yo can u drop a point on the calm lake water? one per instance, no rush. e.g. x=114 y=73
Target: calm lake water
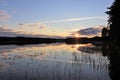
x=53 y=62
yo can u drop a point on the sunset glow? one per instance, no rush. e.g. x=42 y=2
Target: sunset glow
x=50 y=17
x=59 y=39
x=77 y=35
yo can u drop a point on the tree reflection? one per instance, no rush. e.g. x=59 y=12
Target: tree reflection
x=114 y=66
x=113 y=54
x=90 y=48
x=104 y=49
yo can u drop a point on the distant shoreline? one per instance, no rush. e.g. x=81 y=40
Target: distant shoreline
x=30 y=40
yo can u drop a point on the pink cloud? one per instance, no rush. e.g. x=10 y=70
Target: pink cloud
x=40 y=26
x=4 y=15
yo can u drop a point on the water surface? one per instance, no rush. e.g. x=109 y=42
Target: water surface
x=53 y=62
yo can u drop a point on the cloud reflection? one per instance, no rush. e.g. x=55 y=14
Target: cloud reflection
x=52 y=61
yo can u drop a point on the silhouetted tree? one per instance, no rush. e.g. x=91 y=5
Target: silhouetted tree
x=114 y=21
x=104 y=32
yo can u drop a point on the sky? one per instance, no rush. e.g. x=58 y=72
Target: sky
x=59 y=18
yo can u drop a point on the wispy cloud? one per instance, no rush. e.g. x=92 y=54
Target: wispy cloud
x=32 y=26
x=4 y=15
x=77 y=19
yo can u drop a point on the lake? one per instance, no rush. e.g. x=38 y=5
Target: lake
x=58 y=61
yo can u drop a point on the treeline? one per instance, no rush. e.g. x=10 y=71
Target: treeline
x=27 y=40
x=30 y=40
x=86 y=40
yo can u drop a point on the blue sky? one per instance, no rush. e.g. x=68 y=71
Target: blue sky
x=55 y=17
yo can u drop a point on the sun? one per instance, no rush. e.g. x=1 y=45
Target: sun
x=76 y=35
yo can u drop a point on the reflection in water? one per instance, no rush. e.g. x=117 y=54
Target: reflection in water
x=114 y=66
x=53 y=62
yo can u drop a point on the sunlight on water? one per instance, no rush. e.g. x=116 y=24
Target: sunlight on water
x=53 y=62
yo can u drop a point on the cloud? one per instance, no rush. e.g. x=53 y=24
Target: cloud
x=88 y=32
x=4 y=15
x=6 y=32
x=38 y=26
x=43 y=26
x=77 y=19
x=4 y=28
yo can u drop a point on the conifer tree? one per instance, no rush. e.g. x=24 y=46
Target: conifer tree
x=114 y=21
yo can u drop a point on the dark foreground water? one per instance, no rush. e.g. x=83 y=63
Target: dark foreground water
x=53 y=62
